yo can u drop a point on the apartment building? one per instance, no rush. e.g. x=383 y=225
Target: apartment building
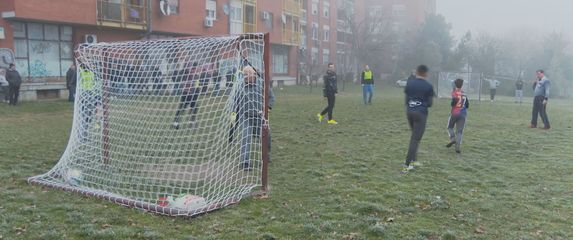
x=43 y=34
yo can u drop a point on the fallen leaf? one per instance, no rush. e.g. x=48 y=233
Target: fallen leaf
x=351 y=236
x=264 y=196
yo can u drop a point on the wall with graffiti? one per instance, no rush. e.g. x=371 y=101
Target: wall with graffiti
x=42 y=50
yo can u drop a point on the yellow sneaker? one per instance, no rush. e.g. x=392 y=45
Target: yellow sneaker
x=406 y=169
x=331 y=121
x=319 y=117
x=233 y=117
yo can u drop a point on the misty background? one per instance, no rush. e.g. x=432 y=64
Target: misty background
x=499 y=16
x=501 y=39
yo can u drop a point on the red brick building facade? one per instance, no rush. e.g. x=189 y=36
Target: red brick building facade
x=43 y=34
x=318 y=37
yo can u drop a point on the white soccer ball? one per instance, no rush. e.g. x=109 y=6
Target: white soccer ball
x=186 y=202
x=73 y=177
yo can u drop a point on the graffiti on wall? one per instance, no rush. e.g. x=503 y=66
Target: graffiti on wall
x=44 y=58
x=6 y=57
x=38 y=69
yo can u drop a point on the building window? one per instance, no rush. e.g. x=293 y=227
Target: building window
x=314 y=55
x=42 y=50
x=236 y=14
x=326 y=33
x=376 y=11
x=303 y=37
x=279 y=59
x=326 y=9
x=340 y=37
x=314 y=7
x=396 y=27
x=268 y=19
x=314 y=31
x=325 y=56
x=398 y=10
x=132 y=11
x=211 y=9
x=249 y=16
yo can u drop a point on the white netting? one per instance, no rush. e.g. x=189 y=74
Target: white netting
x=171 y=126
x=471 y=86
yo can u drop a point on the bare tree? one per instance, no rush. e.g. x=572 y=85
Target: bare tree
x=485 y=54
x=368 y=39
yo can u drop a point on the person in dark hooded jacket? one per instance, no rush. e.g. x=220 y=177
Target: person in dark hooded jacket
x=14 y=81
x=330 y=90
x=71 y=81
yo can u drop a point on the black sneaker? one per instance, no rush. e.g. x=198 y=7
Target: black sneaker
x=246 y=166
x=449 y=145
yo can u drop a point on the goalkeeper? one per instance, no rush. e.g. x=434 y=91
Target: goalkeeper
x=249 y=112
x=90 y=98
x=190 y=90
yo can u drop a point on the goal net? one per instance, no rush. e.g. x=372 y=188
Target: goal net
x=472 y=84
x=173 y=126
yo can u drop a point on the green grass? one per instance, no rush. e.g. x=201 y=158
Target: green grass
x=327 y=182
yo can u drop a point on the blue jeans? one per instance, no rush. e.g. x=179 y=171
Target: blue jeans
x=367 y=93
x=217 y=88
x=250 y=128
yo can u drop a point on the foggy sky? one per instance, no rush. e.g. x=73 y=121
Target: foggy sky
x=500 y=16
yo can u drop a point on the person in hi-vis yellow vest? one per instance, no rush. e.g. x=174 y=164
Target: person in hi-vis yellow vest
x=90 y=99
x=367 y=81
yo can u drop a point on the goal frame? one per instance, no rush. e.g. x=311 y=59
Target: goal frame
x=164 y=210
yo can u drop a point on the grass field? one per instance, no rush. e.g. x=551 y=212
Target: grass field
x=328 y=182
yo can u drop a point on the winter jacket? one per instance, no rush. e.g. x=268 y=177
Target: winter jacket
x=13 y=78
x=330 y=86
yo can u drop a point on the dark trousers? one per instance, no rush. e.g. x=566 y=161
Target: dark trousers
x=459 y=121
x=189 y=100
x=328 y=110
x=539 y=109
x=72 y=94
x=492 y=93
x=89 y=103
x=13 y=94
x=417 y=121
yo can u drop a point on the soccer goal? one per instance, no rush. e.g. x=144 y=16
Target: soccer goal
x=472 y=84
x=167 y=125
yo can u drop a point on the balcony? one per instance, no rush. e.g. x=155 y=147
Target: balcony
x=122 y=14
x=292 y=7
x=249 y=28
x=291 y=37
x=249 y=16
